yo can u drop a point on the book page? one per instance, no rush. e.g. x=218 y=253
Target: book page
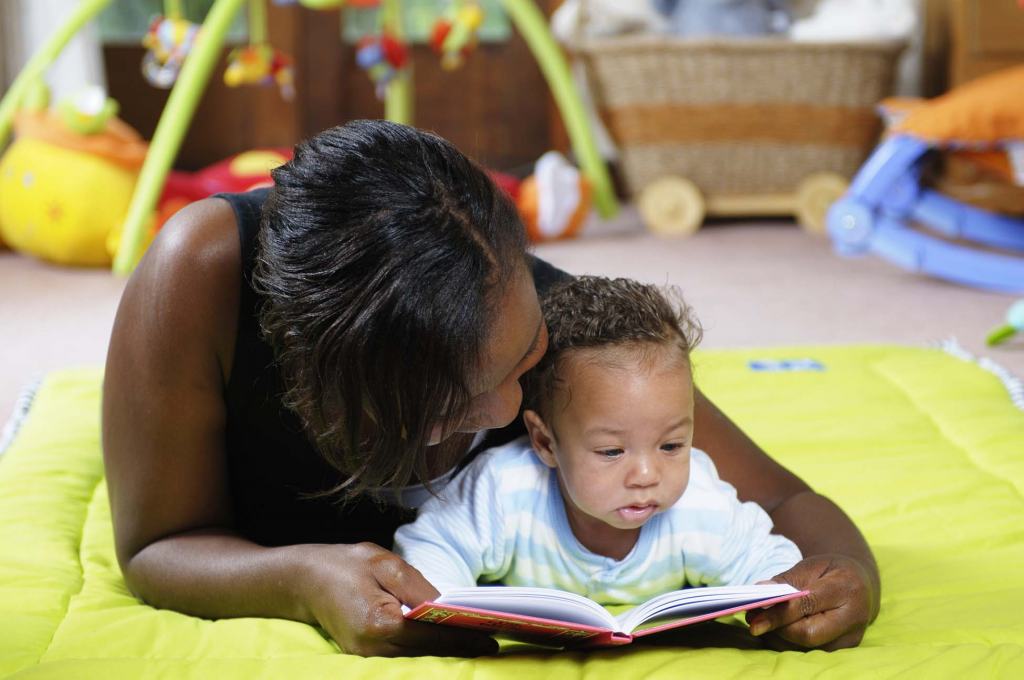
x=692 y=602
x=543 y=603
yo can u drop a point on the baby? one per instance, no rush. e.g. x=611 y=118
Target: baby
x=605 y=497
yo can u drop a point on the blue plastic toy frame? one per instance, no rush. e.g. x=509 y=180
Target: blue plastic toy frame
x=886 y=196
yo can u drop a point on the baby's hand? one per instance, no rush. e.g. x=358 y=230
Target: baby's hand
x=834 y=615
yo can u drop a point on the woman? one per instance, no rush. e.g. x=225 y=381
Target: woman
x=285 y=370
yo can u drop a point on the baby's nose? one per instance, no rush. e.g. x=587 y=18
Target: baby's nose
x=643 y=473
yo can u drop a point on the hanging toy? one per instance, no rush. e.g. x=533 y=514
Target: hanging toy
x=261 y=65
x=382 y=57
x=259 y=62
x=329 y=4
x=167 y=42
x=454 y=35
x=332 y=4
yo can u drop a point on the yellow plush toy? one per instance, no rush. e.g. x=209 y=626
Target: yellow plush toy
x=66 y=181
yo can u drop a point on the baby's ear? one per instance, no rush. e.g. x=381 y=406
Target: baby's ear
x=540 y=438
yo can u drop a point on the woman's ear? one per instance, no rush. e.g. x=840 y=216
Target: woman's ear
x=541 y=439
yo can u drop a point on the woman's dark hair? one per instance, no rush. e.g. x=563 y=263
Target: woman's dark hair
x=594 y=311
x=382 y=254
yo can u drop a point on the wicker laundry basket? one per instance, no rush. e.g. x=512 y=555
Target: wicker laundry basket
x=742 y=124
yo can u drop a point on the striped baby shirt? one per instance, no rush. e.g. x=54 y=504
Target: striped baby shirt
x=502 y=519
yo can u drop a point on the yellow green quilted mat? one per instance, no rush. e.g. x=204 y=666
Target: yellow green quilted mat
x=923 y=449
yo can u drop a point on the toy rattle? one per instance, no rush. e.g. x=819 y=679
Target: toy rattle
x=260 y=63
x=383 y=57
x=1014 y=324
x=167 y=42
x=454 y=35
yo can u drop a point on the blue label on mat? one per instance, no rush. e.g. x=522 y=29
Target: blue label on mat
x=780 y=365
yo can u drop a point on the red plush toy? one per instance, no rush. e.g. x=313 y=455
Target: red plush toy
x=241 y=172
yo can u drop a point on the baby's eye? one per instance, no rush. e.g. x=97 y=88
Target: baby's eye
x=610 y=453
x=673 y=447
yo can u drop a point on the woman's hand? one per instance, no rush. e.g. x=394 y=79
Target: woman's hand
x=356 y=593
x=841 y=574
x=843 y=600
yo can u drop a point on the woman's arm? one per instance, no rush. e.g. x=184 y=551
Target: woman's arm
x=838 y=567
x=163 y=439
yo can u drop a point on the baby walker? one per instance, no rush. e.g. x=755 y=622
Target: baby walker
x=978 y=126
x=886 y=196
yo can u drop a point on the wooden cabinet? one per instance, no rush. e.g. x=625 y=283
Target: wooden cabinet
x=985 y=36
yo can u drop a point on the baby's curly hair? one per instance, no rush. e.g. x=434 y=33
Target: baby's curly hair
x=595 y=311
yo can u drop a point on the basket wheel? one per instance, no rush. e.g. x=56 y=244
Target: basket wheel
x=671 y=206
x=814 y=195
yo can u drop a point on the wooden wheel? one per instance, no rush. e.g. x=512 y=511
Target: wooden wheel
x=671 y=206
x=814 y=196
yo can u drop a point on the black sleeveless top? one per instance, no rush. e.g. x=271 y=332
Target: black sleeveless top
x=272 y=466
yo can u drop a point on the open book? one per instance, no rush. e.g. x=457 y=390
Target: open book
x=566 y=619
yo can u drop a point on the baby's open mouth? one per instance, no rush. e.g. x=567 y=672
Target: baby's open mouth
x=636 y=513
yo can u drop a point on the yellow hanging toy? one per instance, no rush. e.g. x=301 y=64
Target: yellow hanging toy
x=259 y=63
x=454 y=35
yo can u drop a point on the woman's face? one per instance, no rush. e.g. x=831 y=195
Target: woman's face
x=517 y=343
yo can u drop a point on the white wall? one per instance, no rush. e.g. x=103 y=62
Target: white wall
x=26 y=24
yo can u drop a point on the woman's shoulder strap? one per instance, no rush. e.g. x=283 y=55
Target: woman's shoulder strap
x=248 y=208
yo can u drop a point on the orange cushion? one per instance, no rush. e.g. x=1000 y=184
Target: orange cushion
x=983 y=112
x=118 y=143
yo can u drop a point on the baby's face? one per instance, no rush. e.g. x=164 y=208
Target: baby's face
x=623 y=426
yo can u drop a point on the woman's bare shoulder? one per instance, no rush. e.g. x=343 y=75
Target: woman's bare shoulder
x=185 y=291
x=202 y=237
